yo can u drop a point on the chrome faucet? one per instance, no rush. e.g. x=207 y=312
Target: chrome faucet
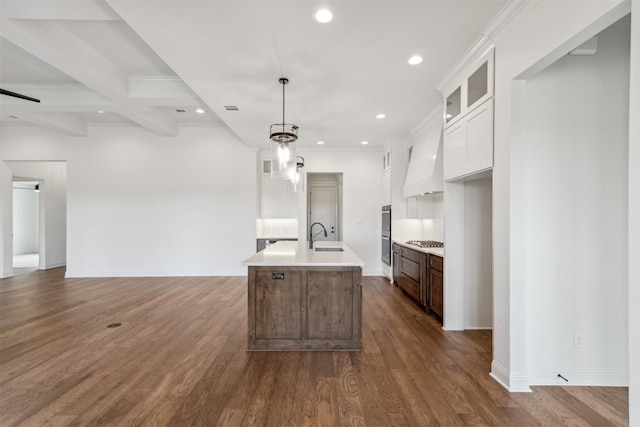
x=311 y=235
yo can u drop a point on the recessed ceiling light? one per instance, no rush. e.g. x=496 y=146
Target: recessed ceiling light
x=100 y=111
x=415 y=60
x=200 y=111
x=323 y=16
x=320 y=142
x=364 y=142
x=381 y=116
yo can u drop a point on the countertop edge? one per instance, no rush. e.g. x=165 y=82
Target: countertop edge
x=297 y=254
x=432 y=251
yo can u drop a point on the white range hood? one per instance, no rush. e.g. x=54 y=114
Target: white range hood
x=424 y=174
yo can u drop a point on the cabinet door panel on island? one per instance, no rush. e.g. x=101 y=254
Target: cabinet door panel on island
x=329 y=305
x=278 y=293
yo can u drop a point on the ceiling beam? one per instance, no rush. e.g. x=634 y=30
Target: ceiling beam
x=59 y=10
x=50 y=42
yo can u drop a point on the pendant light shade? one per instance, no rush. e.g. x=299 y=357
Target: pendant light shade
x=296 y=176
x=283 y=138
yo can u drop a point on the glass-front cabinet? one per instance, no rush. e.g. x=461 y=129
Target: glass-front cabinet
x=478 y=84
x=453 y=104
x=474 y=89
x=468 y=121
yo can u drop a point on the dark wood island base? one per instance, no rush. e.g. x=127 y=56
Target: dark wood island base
x=305 y=308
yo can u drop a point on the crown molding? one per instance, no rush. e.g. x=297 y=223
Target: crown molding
x=492 y=33
x=435 y=113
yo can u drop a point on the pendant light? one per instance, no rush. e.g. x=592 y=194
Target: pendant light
x=283 y=144
x=296 y=177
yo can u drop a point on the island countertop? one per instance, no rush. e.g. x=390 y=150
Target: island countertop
x=297 y=253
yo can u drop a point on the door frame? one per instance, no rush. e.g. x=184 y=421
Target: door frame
x=42 y=212
x=325 y=179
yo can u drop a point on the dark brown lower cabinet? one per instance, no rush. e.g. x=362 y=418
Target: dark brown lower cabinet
x=413 y=278
x=421 y=277
x=436 y=285
x=396 y=249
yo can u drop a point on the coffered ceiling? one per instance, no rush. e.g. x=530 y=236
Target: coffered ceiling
x=152 y=63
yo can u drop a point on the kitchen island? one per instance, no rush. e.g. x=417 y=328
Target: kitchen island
x=304 y=299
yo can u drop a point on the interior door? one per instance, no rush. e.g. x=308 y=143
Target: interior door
x=323 y=208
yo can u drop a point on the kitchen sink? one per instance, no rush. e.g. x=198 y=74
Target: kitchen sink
x=330 y=249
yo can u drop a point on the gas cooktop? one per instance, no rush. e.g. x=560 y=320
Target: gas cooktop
x=426 y=243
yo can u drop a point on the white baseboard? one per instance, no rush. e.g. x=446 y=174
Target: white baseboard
x=55 y=265
x=595 y=378
x=518 y=383
x=80 y=274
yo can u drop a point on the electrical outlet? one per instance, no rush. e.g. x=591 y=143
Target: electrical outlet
x=578 y=340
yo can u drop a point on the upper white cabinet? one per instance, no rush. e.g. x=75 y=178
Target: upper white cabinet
x=468 y=133
x=468 y=143
x=386 y=160
x=454 y=105
x=386 y=177
x=386 y=187
x=277 y=198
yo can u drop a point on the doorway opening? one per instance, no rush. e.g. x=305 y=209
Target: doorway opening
x=324 y=205
x=27 y=225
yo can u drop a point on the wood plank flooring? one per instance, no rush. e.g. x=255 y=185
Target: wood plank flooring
x=179 y=359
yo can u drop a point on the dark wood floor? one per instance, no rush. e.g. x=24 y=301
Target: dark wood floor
x=179 y=359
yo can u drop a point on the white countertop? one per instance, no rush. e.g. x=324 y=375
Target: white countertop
x=273 y=237
x=296 y=253
x=433 y=251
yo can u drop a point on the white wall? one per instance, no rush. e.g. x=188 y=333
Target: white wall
x=26 y=220
x=572 y=196
x=634 y=220
x=547 y=31
x=478 y=259
x=52 y=207
x=361 y=201
x=143 y=205
x=433 y=227
x=6 y=219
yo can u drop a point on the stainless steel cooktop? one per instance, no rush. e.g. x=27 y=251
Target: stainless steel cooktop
x=426 y=243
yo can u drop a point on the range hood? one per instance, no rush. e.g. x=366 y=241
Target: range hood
x=424 y=174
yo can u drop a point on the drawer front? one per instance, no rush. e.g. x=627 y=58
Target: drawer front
x=435 y=262
x=413 y=255
x=410 y=286
x=411 y=268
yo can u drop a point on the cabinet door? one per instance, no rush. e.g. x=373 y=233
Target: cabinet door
x=410 y=286
x=278 y=296
x=436 y=292
x=455 y=150
x=479 y=134
x=329 y=305
x=386 y=188
x=468 y=144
